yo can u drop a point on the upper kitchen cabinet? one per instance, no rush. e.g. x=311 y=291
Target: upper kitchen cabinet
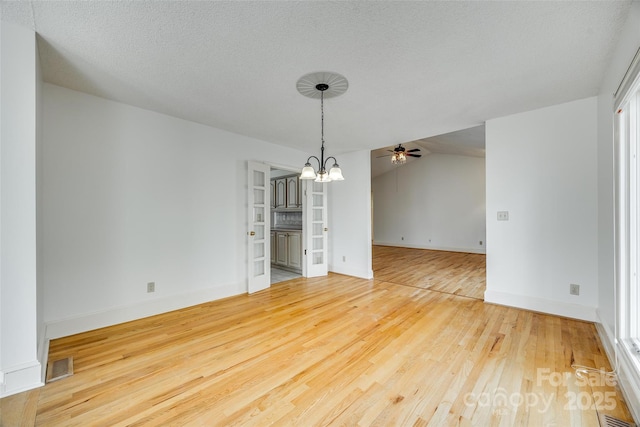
x=281 y=193
x=285 y=193
x=273 y=194
x=293 y=192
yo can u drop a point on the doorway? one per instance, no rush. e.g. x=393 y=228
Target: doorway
x=287 y=224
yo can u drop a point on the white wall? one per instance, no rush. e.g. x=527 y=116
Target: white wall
x=437 y=202
x=542 y=169
x=19 y=365
x=620 y=60
x=131 y=196
x=350 y=217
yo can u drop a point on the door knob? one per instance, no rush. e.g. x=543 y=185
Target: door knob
x=326 y=229
x=252 y=233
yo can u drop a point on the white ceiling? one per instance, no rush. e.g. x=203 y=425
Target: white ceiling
x=415 y=69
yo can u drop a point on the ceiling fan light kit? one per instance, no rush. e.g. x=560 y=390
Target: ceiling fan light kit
x=400 y=154
x=322 y=85
x=398 y=158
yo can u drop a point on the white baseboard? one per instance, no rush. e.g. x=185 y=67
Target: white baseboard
x=628 y=378
x=90 y=321
x=574 y=311
x=433 y=248
x=17 y=379
x=362 y=274
x=607 y=336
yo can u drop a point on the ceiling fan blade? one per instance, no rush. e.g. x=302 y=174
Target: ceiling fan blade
x=415 y=155
x=413 y=150
x=386 y=155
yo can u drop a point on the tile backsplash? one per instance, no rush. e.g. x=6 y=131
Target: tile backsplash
x=287 y=220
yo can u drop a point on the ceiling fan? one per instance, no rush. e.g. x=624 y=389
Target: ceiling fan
x=400 y=154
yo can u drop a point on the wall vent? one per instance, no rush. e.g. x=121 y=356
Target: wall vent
x=609 y=421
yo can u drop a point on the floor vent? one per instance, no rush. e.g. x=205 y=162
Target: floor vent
x=609 y=421
x=59 y=369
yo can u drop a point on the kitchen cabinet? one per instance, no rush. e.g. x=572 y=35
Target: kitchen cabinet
x=282 y=249
x=285 y=193
x=273 y=193
x=281 y=193
x=294 y=251
x=273 y=247
x=293 y=192
x=287 y=246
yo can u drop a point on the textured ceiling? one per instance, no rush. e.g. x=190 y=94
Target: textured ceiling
x=415 y=69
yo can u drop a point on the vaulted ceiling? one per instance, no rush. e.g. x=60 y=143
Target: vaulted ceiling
x=465 y=142
x=415 y=69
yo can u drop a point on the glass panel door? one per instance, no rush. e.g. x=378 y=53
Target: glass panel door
x=258 y=241
x=316 y=229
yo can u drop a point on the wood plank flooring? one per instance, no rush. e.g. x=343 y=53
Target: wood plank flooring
x=326 y=351
x=455 y=273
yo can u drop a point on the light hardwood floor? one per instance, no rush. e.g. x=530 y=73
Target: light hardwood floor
x=335 y=350
x=455 y=273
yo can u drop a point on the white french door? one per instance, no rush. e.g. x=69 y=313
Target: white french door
x=259 y=216
x=316 y=229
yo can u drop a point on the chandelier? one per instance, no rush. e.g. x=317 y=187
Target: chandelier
x=322 y=85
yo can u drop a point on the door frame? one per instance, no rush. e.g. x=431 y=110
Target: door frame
x=296 y=170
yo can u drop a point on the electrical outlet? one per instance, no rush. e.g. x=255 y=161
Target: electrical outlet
x=503 y=216
x=344 y=258
x=151 y=287
x=402 y=238
x=574 y=289
x=480 y=242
